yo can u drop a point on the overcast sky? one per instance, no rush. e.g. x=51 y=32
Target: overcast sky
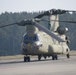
x=35 y=5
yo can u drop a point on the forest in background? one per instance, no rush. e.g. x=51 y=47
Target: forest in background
x=11 y=36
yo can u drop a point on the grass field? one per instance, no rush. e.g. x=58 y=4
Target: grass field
x=11 y=57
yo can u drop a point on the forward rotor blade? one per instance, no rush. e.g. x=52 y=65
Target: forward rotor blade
x=25 y=22
x=48 y=32
x=20 y=23
x=33 y=22
x=7 y=25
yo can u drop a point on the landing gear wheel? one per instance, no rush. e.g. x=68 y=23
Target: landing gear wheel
x=39 y=57
x=54 y=57
x=45 y=57
x=68 y=56
x=26 y=59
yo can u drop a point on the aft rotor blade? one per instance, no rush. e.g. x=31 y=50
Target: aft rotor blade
x=48 y=32
x=59 y=21
x=68 y=21
x=70 y=11
x=51 y=12
x=43 y=14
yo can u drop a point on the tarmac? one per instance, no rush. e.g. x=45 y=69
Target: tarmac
x=62 y=66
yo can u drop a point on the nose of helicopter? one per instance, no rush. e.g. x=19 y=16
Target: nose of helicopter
x=33 y=46
x=37 y=45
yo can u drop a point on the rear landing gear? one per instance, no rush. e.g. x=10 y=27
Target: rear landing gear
x=54 y=57
x=26 y=59
x=68 y=56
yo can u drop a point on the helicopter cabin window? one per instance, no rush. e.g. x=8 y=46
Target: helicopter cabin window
x=30 y=39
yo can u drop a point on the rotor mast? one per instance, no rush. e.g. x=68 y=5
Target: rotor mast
x=54 y=24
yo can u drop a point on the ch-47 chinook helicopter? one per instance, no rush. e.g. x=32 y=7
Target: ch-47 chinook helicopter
x=44 y=42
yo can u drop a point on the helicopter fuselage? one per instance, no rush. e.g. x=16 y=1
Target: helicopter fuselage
x=42 y=44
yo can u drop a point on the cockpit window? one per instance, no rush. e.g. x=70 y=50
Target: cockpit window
x=30 y=39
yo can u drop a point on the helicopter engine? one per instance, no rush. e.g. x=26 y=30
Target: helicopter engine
x=62 y=30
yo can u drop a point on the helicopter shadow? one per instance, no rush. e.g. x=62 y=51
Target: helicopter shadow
x=14 y=62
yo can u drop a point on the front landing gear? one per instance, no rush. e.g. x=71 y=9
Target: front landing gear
x=26 y=58
x=39 y=57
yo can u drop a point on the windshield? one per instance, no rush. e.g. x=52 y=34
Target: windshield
x=30 y=39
